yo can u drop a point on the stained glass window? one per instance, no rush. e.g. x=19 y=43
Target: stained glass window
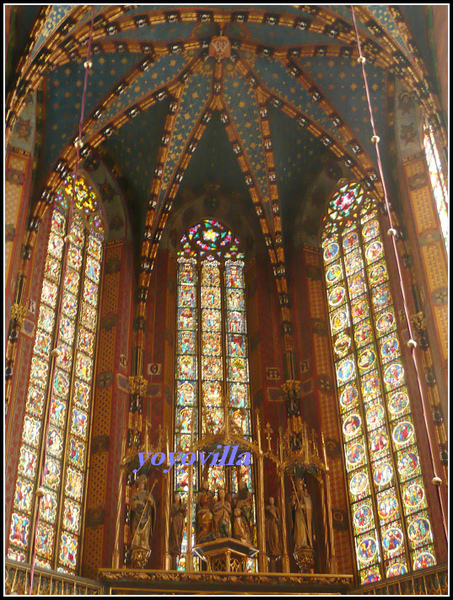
x=61 y=406
x=212 y=377
x=391 y=526
x=437 y=180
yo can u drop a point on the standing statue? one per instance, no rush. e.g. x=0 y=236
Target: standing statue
x=308 y=514
x=302 y=533
x=222 y=515
x=204 y=531
x=143 y=509
x=272 y=528
x=178 y=511
x=240 y=529
x=244 y=502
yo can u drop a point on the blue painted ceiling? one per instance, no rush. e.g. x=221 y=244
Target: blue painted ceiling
x=297 y=61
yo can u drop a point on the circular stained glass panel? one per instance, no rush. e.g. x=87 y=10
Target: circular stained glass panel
x=353 y=262
x=398 y=402
x=356 y=285
x=419 y=530
x=342 y=345
x=374 y=416
x=385 y=322
x=413 y=495
x=374 y=251
x=378 y=443
x=345 y=370
x=331 y=252
x=366 y=550
x=359 y=310
x=363 y=334
x=366 y=359
x=378 y=274
x=358 y=483
x=403 y=433
x=371 y=578
x=392 y=540
x=343 y=202
x=337 y=296
x=352 y=425
x=351 y=240
x=355 y=455
x=394 y=375
x=363 y=516
x=381 y=297
x=408 y=464
x=396 y=569
x=370 y=386
x=370 y=230
x=348 y=397
x=424 y=560
x=339 y=320
x=383 y=474
x=333 y=274
x=387 y=506
x=390 y=348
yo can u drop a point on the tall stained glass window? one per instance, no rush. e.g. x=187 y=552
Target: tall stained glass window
x=212 y=375
x=437 y=180
x=64 y=401
x=388 y=504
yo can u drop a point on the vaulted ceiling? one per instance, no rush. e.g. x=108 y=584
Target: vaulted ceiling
x=285 y=99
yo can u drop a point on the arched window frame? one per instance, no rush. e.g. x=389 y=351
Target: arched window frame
x=59 y=392
x=374 y=403
x=211 y=339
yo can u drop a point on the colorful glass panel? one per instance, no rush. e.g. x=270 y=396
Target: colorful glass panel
x=362 y=516
x=387 y=506
x=23 y=495
x=211 y=353
x=334 y=274
x=408 y=463
x=60 y=303
x=378 y=434
x=20 y=529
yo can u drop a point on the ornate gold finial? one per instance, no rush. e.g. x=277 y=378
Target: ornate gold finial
x=18 y=313
x=138 y=385
x=269 y=433
x=419 y=322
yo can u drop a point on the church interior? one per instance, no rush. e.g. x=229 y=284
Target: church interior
x=226 y=299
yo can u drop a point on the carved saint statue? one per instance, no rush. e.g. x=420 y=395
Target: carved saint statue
x=143 y=509
x=240 y=529
x=178 y=511
x=205 y=531
x=222 y=515
x=273 y=544
x=244 y=502
x=302 y=517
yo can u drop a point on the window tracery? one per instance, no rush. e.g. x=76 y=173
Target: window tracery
x=388 y=504
x=212 y=378
x=66 y=388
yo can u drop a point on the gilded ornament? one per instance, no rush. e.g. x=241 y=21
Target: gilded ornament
x=18 y=313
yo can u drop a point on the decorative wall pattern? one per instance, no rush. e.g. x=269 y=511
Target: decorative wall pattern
x=108 y=415
x=432 y=249
x=327 y=403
